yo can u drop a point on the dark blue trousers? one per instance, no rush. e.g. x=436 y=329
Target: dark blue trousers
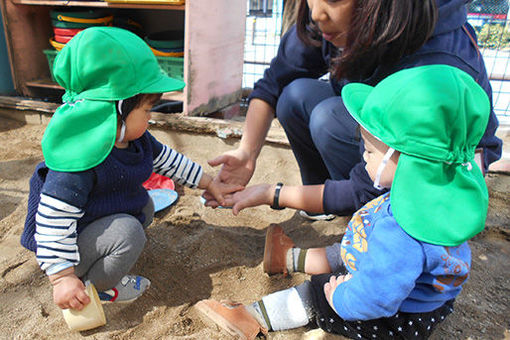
x=324 y=137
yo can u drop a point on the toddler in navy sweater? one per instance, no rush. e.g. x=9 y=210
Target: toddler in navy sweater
x=87 y=206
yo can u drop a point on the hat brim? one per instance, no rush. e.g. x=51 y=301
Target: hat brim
x=164 y=84
x=444 y=204
x=354 y=96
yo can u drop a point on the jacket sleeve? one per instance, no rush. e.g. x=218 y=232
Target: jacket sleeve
x=343 y=197
x=294 y=60
x=386 y=275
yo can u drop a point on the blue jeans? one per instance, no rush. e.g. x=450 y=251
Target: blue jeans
x=324 y=137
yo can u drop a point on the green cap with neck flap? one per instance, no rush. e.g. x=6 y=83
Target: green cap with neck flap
x=99 y=66
x=435 y=117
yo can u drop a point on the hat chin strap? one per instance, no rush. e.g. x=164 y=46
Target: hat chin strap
x=123 y=127
x=122 y=133
x=381 y=167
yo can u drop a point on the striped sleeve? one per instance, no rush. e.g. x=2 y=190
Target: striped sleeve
x=55 y=234
x=178 y=167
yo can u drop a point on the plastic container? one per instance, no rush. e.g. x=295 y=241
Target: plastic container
x=80 y=19
x=63 y=39
x=173 y=66
x=79 y=13
x=50 y=55
x=91 y=316
x=166 y=39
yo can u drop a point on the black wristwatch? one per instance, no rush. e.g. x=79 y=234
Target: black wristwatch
x=276 y=199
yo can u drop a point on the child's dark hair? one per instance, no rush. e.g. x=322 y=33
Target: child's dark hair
x=129 y=104
x=381 y=33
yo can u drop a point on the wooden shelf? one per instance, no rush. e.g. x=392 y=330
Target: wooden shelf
x=47 y=83
x=44 y=83
x=213 y=45
x=101 y=4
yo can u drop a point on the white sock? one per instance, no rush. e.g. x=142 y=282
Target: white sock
x=294 y=255
x=285 y=310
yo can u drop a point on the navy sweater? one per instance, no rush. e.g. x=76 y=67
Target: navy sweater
x=114 y=186
x=450 y=45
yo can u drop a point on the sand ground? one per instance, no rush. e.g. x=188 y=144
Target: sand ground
x=195 y=253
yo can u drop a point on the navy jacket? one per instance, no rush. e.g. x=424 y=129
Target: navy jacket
x=451 y=44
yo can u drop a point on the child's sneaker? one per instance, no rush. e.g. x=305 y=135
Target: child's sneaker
x=130 y=288
x=232 y=317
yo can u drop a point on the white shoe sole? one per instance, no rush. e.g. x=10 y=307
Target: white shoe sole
x=321 y=217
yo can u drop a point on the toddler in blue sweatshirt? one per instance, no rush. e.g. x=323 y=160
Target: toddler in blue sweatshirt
x=404 y=256
x=87 y=208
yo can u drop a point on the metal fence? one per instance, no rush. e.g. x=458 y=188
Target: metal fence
x=490 y=18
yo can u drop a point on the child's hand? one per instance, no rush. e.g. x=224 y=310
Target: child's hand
x=69 y=292
x=217 y=190
x=250 y=197
x=329 y=287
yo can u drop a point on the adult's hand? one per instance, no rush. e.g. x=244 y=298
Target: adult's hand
x=236 y=168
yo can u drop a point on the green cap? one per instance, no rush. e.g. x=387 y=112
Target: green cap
x=435 y=116
x=99 y=66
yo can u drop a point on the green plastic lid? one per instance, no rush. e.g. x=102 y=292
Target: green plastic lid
x=79 y=13
x=66 y=24
x=166 y=39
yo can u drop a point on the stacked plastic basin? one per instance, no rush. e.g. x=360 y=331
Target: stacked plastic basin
x=167 y=46
x=66 y=24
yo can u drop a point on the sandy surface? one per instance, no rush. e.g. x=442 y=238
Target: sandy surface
x=195 y=253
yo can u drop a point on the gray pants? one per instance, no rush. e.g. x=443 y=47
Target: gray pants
x=334 y=259
x=110 y=246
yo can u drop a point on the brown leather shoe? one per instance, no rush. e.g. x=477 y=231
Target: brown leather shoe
x=230 y=316
x=275 y=250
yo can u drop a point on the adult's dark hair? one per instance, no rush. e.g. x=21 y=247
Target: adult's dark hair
x=381 y=33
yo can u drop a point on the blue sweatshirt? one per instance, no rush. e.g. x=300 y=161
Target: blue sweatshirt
x=391 y=271
x=450 y=45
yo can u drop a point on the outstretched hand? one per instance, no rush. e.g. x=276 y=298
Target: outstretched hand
x=217 y=190
x=329 y=287
x=250 y=197
x=236 y=167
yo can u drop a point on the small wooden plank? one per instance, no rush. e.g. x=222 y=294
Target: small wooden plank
x=44 y=83
x=176 y=95
x=23 y=104
x=222 y=128
x=178 y=122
